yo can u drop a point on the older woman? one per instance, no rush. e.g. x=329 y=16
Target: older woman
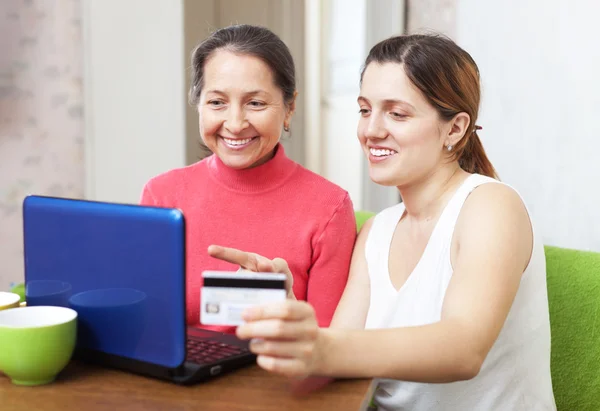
x=249 y=194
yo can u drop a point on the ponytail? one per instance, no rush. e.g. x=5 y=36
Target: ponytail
x=472 y=157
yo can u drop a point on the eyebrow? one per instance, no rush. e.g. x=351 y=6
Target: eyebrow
x=389 y=102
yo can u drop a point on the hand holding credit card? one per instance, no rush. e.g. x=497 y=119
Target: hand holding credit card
x=260 y=281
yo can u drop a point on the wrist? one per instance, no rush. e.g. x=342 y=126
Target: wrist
x=327 y=342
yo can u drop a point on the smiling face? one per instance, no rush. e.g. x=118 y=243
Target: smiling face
x=400 y=131
x=241 y=110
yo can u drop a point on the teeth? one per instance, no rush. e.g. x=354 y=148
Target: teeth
x=381 y=152
x=237 y=142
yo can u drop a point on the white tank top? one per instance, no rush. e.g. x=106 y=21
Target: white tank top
x=515 y=375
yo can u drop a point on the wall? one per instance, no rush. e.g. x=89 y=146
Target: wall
x=540 y=94
x=137 y=53
x=134 y=94
x=352 y=27
x=346 y=44
x=539 y=61
x=432 y=15
x=41 y=125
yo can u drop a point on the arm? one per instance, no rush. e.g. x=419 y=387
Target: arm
x=331 y=262
x=493 y=245
x=353 y=307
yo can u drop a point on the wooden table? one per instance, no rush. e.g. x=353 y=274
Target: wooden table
x=90 y=388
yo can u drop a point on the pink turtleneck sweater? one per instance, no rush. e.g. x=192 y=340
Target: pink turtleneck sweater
x=278 y=209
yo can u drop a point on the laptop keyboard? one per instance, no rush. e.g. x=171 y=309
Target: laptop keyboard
x=209 y=351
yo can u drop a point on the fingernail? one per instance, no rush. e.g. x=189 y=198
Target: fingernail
x=265 y=362
x=239 y=332
x=257 y=342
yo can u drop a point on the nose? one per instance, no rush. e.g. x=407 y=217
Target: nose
x=375 y=128
x=236 y=121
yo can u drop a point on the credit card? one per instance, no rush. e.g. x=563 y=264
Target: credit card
x=226 y=294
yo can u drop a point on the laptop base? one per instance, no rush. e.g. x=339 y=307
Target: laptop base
x=188 y=373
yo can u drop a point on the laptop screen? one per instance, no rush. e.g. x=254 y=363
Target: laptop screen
x=121 y=267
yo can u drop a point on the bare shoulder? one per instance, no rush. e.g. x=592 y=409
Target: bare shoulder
x=494 y=218
x=366 y=227
x=493 y=201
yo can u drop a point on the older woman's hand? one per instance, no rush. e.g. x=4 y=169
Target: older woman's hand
x=255 y=262
x=285 y=336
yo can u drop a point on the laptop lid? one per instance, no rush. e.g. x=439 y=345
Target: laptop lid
x=121 y=267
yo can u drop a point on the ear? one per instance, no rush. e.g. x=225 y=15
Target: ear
x=458 y=128
x=291 y=108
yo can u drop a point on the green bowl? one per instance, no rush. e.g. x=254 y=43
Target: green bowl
x=36 y=343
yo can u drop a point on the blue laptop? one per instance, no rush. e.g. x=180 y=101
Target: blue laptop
x=122 y=268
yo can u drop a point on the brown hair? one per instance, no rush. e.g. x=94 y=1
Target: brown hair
x=449 y=78
x=248 y=40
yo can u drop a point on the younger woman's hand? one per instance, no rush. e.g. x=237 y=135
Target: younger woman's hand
x=285 y=336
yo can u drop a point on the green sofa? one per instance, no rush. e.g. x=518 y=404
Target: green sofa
x=573 y=280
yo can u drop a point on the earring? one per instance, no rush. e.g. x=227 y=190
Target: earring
x=449 y=147
x=286 y=128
